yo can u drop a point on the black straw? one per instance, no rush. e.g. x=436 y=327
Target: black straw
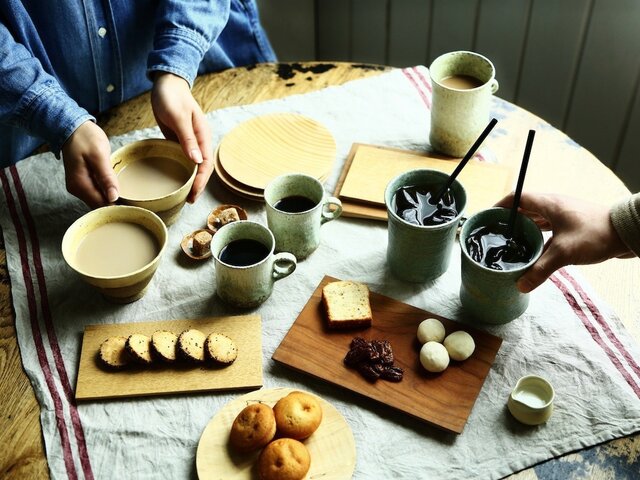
x=464 y=161
x=523 y=172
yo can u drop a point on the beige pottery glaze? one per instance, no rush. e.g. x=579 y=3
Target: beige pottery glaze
x=531 y=400
x=167 y=207
x=123 y=288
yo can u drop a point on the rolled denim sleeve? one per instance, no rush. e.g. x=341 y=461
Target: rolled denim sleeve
x=32 y=99
x=185 y=30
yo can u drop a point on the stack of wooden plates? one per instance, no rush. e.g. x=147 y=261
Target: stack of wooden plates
x=260 y=149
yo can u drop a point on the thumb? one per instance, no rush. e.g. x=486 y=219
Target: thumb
x=104 y=177
x=188 y=140
x=550 y=261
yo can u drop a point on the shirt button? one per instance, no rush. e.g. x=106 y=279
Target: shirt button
x=102 y=31
x=110 y=88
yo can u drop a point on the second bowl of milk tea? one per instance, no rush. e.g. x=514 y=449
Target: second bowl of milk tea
x=116 y=249
x=154 y=174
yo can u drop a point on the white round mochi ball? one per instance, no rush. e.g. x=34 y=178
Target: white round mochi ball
x=430 y=330
x=434 y=357
x=460 y=345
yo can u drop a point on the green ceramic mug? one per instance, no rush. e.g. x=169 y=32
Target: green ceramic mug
x=246 y=265
x=297 y=206
x=420 y=253
x=490 y=295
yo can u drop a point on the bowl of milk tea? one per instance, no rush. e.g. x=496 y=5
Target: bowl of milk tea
x=154 y=174
x=116 y=249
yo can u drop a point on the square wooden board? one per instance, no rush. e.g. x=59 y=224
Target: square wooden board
x=369 y=168
x=444 y=400
x=95 y=382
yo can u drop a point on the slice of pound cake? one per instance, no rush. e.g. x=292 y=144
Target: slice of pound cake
x=347 y=304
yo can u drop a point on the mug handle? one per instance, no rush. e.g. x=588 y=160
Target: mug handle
x=494 y=85
x=284 y=264
x=329 y=214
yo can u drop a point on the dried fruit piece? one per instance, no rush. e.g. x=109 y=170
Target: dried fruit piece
x=373 y=359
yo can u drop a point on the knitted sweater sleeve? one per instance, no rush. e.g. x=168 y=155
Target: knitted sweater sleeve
x=625 y=217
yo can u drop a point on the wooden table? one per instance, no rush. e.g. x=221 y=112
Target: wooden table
x=559 y=168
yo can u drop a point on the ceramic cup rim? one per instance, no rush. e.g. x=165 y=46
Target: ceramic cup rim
x=170 y=144
x=469 y=53
x=280 y=178
x=388 y=195
x=240 y=224
x=540 y=380
x=70 y=232
x=539 y=243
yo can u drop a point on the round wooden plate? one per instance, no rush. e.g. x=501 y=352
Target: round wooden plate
x=236 y=187
x=332 y=447
x=264 y=147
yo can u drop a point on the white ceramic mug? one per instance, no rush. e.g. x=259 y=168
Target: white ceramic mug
x=298 y=231
x=459 y=115
x=247 y=286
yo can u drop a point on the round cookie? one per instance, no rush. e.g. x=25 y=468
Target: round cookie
x=139 y=348
x=253 y=428
x=434 y=357
x=113 y=353
x=163 y=344
x=298 y=415
x=191 y=345
x=460 y=345
x=221 y=349
x=430 y=330
x=284 y=459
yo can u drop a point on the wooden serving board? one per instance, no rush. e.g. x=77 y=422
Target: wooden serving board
x=369 y=168
x=331 y=447
x=95 y=382
x=444 y=400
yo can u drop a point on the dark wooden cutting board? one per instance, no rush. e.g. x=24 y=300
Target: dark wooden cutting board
x=444 y=400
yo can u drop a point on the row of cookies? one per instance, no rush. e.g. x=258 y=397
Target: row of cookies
x=164 y=346
x=279 y=432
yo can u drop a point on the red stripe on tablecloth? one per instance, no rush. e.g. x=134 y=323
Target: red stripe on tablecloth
x=573 y=303
x=407 y=73
x=422 y=78
x=51 y=333
x=597 y=315
x=35 y=330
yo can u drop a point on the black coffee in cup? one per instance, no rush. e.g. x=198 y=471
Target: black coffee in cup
x=414 y=205
x=295 y=204
x=490 y=246
x=243 y=252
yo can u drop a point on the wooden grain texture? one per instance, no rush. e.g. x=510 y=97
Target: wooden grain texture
x=97 y=383
x=264 y=147
x=444 y=400
x=373 y=167
x=332 y=447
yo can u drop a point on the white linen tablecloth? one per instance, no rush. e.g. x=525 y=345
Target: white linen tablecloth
x=567 y=335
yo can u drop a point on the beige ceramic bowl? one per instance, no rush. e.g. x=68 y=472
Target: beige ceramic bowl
x=122 y=288
x=167 y=206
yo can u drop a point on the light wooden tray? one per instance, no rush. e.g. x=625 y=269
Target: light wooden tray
x=369 y=168
x=265 y=147
x=444 y=400
x=95 y=382
x=331 y=447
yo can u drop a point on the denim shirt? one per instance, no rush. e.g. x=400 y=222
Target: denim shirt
x=64 y=61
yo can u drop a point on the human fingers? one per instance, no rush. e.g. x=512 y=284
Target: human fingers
x=88 y=172
x=203 y=135
x=552 y=258
x=533 y=210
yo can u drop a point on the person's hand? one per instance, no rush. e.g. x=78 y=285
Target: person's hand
x=582 y=234
x=180 y=119
x=88 y=171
